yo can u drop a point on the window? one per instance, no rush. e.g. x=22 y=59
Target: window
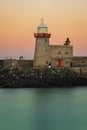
x=59 y=52
x=83 y=61
x=66 y=53
x=45 y=40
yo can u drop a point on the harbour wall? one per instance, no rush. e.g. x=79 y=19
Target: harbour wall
x=22 y=64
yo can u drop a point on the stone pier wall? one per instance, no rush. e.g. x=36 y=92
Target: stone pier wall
x=81 y=70
x=13 y=63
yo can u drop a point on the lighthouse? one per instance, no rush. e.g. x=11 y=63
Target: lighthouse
x=42 y=50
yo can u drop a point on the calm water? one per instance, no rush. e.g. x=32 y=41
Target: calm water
x=43 y=109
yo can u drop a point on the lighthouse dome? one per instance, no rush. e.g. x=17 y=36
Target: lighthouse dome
x=42 y=28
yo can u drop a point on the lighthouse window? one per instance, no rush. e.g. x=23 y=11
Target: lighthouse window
x=45 y=40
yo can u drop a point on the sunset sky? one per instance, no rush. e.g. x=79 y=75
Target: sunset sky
x=20 y=18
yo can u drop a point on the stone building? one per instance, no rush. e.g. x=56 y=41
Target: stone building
x=46 y=54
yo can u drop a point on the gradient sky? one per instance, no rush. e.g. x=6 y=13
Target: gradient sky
x=20 y=18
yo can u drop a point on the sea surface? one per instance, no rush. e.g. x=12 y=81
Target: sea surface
x=43 y=109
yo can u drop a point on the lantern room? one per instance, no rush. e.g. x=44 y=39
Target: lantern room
x=42 y=31
x=42 y=28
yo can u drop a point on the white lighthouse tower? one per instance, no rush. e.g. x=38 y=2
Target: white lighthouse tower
x=42 y=51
